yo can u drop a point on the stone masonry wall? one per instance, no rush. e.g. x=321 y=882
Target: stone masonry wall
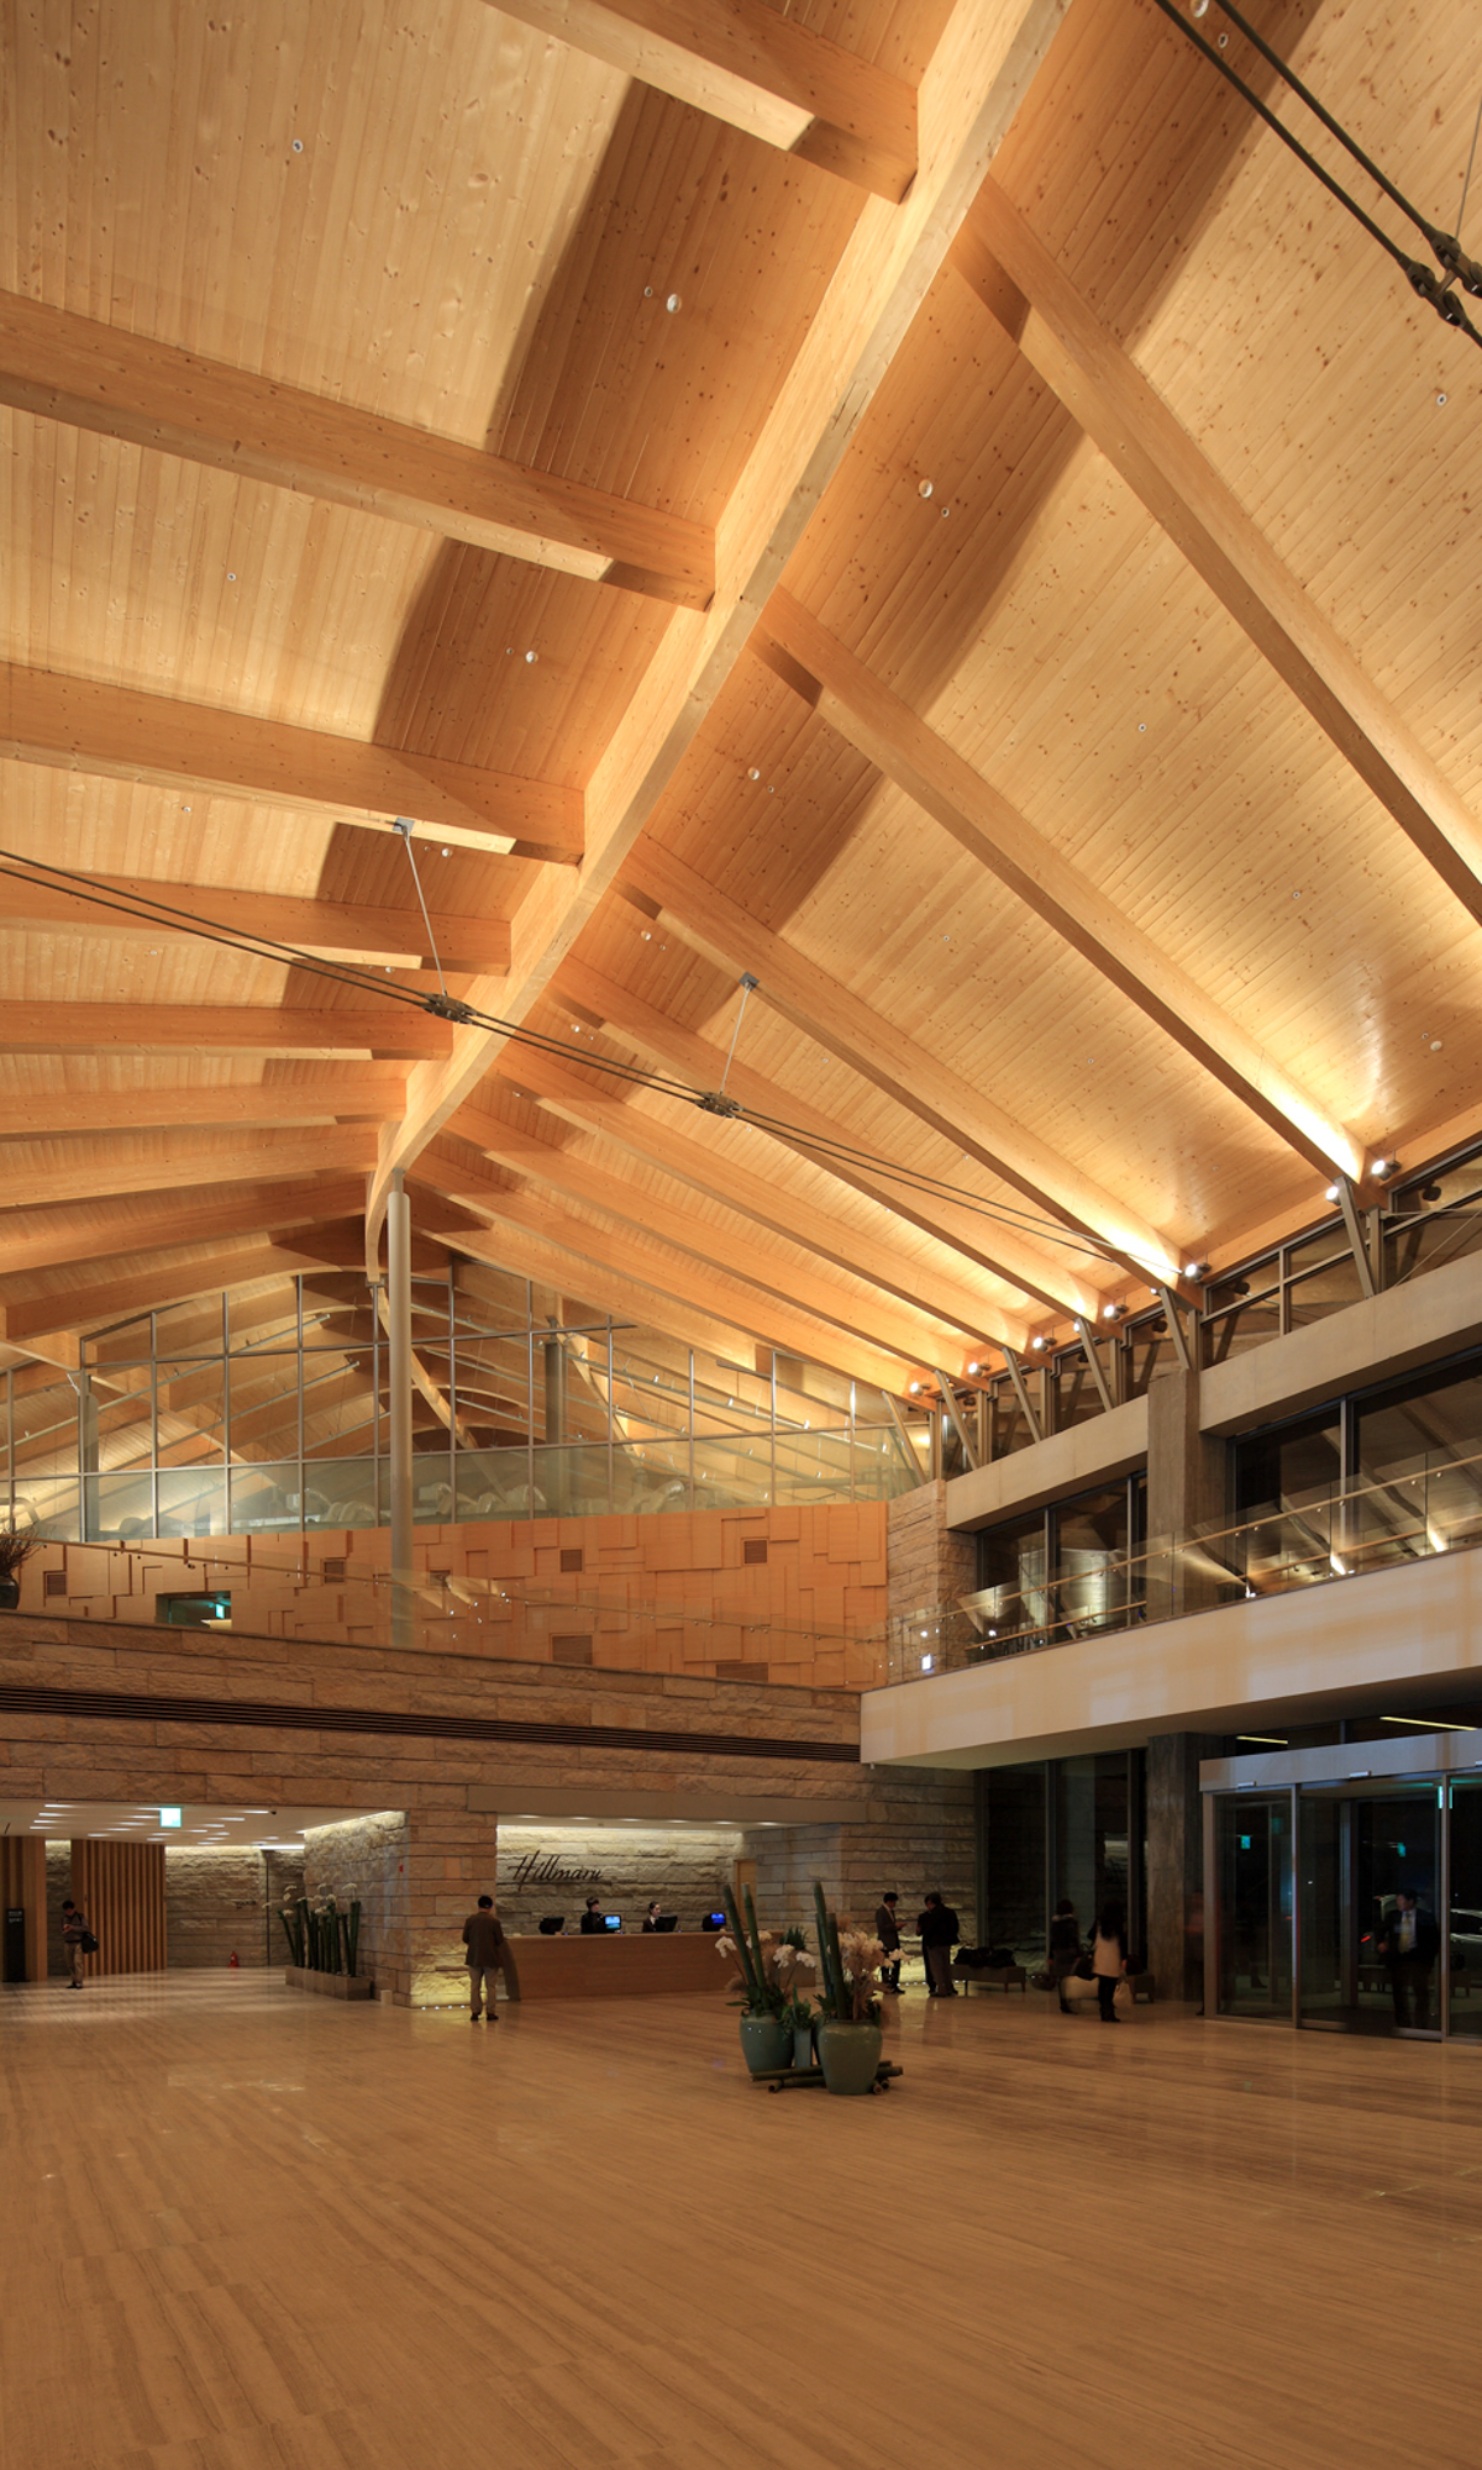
x=685 y=1867
x=929 y=1564
x=219 y=1903
x=919 y=1837
x=367 y=1858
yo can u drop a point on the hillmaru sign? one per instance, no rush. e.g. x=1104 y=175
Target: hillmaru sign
x=536 y=1869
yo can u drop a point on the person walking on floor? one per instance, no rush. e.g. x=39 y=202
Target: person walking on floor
x=1064 y=1948
x=484 y=1939
x=939 y=1935
x=887 y=1930
x=74 y=1931
x=1109 y=1959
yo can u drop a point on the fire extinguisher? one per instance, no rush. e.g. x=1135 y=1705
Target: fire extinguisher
x=235 y=1964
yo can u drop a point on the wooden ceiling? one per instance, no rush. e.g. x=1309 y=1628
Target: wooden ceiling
x=925 y=503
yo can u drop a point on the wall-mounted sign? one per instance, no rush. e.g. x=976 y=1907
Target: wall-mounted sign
x=538 y=1869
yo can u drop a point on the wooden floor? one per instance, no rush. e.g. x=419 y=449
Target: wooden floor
x=244 y=2230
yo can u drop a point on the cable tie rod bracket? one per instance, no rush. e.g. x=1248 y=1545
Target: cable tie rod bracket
x=715 y=1102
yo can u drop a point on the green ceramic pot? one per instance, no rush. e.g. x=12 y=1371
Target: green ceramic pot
x=766 y=2045
x=849 y=2055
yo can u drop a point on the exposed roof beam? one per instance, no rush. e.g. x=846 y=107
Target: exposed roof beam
x=162 y=1283
x=872 y=1046
x=52 y=1235
x=394 y=937
x=342 y=1097
x=819 y=1138
x=978 y=75
x=910 y=752
x=710 y=1165
x=516 y=1250
x=83 y=726
x=728 y=1242
x=93 y=376
x=77 y=1171
x=398 y=1030
x=744 y=63
x=648 y=1270
x=1040 y=308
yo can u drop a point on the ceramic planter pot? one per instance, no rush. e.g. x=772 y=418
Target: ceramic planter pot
x=849 y=2055
x=10 y=1594
x=766 y=2045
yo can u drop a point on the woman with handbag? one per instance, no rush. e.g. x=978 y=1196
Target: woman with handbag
x=77 y=1938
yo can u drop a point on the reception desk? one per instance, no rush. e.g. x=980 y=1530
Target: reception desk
x=614 y=1966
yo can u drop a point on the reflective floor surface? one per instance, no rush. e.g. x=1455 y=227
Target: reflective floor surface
x=245 y=2229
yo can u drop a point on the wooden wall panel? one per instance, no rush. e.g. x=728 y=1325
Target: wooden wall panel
x=23 y=1882
x=121 y=1888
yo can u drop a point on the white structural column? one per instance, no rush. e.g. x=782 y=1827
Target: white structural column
x=399 y=1323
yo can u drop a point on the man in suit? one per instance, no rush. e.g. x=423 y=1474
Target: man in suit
x=887 y=1930
x=484 y=1940
x=939 y=1935
x=1410 y=1944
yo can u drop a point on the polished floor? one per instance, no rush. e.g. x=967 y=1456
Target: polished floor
x=243 y=2229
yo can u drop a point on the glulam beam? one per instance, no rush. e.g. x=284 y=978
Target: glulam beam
x=1039 y=307
x=874 y=1047
x=340 y=1097
x=395 y=1031
x=746 y=64
x=78 y=724
x=982 y=67
x=53 y=1234
x=358 y=930
x=73 y=369
x=82 y=1170
x=856 y=704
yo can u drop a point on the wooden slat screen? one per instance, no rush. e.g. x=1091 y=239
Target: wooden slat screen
x=121 y=1888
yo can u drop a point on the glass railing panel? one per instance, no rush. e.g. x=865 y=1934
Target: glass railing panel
x=574 y=1482
x=192 y=1500
x=648 y=1476
x=266 y=1499
x=118 y=1508
x=733 y=1474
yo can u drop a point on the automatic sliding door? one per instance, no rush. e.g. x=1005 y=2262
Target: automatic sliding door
x=1255 y=1907
x=1369 y=1867
x=1465 y=1918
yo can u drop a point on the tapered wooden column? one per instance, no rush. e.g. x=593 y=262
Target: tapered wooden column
x=121 y=1888
x=23 y=1888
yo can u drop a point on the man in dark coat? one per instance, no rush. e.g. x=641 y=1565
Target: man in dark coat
x=1410 y=1943
x=939 y=1935
x=484 y=1939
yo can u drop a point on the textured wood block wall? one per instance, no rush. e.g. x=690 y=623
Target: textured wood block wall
x=121 y=1888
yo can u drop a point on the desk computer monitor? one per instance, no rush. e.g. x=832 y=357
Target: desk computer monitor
x=666 y=1921
x=713 y=1921
x=612 y=1921
x=553 y=1925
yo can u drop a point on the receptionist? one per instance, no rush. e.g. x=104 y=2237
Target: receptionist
x=592 y=1923
x=651 y=1917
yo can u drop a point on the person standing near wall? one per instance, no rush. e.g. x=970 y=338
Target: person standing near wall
x=75 y=1933
x=939 y=1935
x=887 y=1930
x=1065 y=1948
x=1109 y=1959
x=484 y=1939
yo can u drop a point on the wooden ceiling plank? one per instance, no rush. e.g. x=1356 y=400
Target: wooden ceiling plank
x=817 y=1138
x=80 y=724
x=713 y=1245
x=859 y=1253
x=114 y=1167
x=73 y=369
x=1108 y=396
x=870 y=1044
x=391 y=937
x=400 y=1032
x=668 y=1291
x=883 y=728
x=344 y=1097
x=54 y=1236
x=979 y=73
x=743 y=63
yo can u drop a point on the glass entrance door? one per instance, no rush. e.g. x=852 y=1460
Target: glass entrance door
x=1369 y=1868
x=1255 y=1907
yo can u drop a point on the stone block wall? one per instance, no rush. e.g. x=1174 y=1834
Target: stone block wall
x=929 y=1563
x=685 y=1867
x=221 y=1902
x=919 y=1836
x=368 y=1858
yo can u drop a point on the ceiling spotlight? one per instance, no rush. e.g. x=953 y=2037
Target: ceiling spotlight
x=1039 y=1345
x=1430 y=1192
x=924 y=488
x=973 y=1370
x=1196 y=1269
x=1384 y=1168
x=1111 y=1312
x=913 y=1389
x=1333 y=1193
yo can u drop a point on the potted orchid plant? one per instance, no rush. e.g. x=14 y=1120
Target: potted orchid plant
x=769 y=1980
x=849 y=2035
